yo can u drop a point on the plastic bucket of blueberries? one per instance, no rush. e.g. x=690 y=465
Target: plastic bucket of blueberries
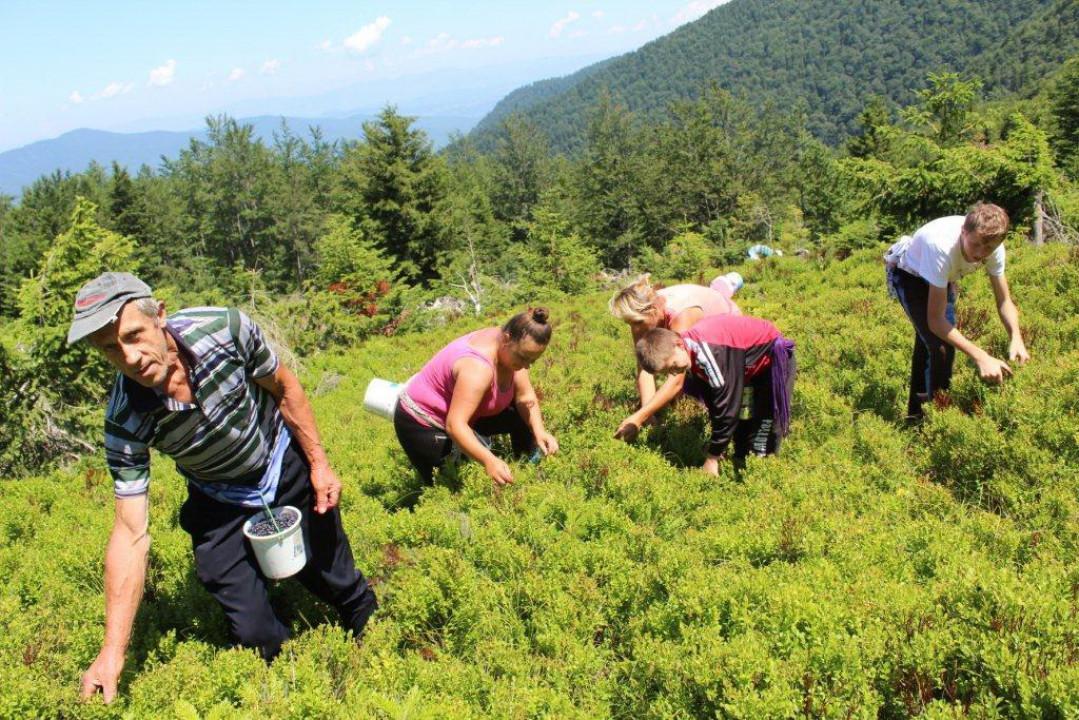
x=278 y=543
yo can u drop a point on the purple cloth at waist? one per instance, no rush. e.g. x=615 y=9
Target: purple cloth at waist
x=783 y=370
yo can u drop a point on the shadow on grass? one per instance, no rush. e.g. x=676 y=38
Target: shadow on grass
x=192 y=614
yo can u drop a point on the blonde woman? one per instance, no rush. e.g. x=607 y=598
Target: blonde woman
x=678 y=308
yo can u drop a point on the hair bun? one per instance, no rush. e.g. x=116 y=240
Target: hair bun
x=540 y=315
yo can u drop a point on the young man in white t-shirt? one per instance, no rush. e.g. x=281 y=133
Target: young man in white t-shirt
x=922 y=271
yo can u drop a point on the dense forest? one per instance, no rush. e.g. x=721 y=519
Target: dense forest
x=825 y=56
x=328 y=243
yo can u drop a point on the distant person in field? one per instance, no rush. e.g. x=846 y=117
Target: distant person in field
x=477 y=385
x=678 y=307
x=922 y=272
x=203 y=387
x=728 y=355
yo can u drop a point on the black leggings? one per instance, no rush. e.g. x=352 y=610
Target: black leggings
x=428 y=447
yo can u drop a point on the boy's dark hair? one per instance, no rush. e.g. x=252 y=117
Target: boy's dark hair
x=533 y=323
x=655 y=348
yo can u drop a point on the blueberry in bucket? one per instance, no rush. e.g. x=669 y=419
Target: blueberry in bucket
x=285 y=517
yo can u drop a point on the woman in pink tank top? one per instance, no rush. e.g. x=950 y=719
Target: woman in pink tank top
x=676 y=308
x=478 y=384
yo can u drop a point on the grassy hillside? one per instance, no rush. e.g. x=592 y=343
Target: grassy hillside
x=871 y=571
x=828 y=55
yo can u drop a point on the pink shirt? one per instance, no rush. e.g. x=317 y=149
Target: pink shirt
x=683 y=297
x=432 y=387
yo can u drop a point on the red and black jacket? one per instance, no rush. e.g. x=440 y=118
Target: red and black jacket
x=726 y=352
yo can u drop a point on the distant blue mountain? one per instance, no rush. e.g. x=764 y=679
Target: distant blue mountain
x=74 y=151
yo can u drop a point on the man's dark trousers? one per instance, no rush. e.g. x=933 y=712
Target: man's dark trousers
x=932 y=358
x=227 y=567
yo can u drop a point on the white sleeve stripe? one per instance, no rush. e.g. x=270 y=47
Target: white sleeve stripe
x=708 y=362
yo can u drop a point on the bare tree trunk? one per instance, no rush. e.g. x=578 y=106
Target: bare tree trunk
x=470 y=283
x=1039 y=220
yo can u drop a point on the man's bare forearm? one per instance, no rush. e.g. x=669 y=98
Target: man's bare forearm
x=299 y=417
x=1009 y=318
x=951 y=335
x=125 y=577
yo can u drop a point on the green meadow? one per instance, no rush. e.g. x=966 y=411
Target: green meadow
x=872 y=570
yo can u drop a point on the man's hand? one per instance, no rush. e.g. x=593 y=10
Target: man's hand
x=627 y=431
x=1017 y=351
x=547 y=443
x=499 y=471
x=327 y=488
x=993 y=370
x=711 y=466
x=103 y=675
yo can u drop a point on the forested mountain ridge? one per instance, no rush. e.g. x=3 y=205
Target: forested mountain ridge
x=828 y=55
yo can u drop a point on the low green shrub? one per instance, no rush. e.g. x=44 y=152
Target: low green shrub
x=871 y=570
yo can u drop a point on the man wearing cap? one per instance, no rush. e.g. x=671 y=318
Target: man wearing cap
x=204 y=387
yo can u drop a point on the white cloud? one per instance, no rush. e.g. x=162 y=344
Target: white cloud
x=444 y=42
x=578 y=34
x=483 y=42
x=111 y=90
x=694 y=10
x=325 y=45
x=640 y=26
x=616 y=29
x=164 y=74
x=115 y=88
x=270 y=67
x=441 y=42
x=560 y=24
x=237 y=74
x=406 y=40
x=597 y=14
x=368 y=35
x=369 y=65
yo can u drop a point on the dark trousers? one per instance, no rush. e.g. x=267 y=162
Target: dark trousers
x=756 y=434
x=932 y=360
x=428 y=447
x=227 y=568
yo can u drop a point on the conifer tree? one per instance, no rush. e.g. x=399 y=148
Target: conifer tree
x=394 y=182
x=1065 y=109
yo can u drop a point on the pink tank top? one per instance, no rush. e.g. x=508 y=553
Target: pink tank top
x=683 y=297
x=432 y=387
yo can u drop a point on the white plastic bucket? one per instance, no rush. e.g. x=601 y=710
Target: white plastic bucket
x=282 y=554
x=381 y=397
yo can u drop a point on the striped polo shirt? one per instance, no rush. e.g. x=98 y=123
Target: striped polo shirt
x=229 y=442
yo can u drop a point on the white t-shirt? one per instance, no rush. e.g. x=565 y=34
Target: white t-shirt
x=935 y=254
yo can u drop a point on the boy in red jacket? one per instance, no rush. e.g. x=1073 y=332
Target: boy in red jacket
x=724 y=355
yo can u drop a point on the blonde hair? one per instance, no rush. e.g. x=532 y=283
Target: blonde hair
x=635 y=302
x=989 y=221
x=655 y=349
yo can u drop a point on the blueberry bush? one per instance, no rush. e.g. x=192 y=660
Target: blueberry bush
x=872 y=570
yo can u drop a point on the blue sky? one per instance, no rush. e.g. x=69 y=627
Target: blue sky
x=134 y=65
